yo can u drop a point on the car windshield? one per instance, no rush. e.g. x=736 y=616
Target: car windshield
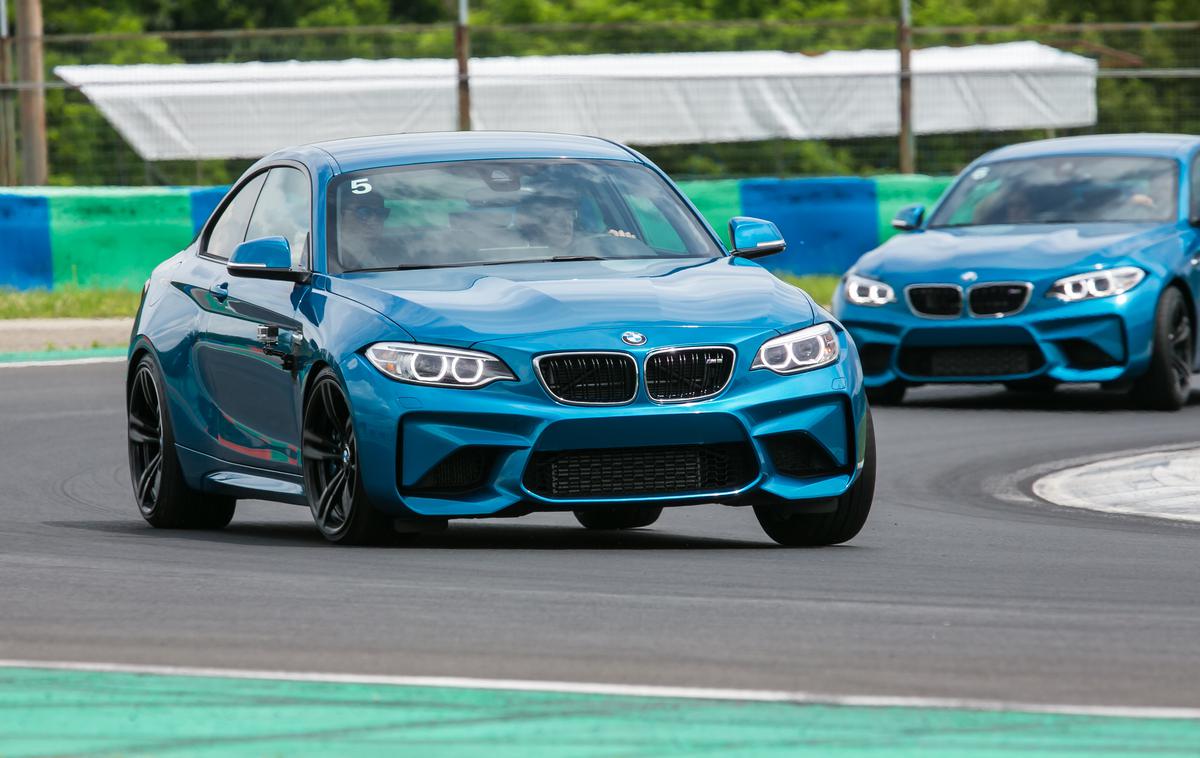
x=487 y=212
x=1063 y=190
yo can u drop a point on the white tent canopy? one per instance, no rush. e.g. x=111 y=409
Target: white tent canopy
x=243 y=110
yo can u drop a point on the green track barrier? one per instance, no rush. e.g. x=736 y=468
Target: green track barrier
x=717 y=200
x=114 y=237
x=893 y=192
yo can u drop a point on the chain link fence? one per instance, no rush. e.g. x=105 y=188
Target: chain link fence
x=1148 y=81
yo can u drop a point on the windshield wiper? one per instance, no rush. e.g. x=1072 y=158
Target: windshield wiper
x=462 y=264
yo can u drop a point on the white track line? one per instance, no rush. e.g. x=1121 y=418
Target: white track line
x=63 y=362
x=625 y=690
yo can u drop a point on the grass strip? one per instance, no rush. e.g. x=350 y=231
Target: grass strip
x=68 y=302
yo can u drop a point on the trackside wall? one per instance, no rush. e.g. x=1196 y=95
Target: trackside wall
x=112 y=237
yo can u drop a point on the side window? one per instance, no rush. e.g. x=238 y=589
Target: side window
x=284 y=210
x=1194 y=189
x=230 y=229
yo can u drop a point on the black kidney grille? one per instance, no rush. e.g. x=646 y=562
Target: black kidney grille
x=997 y=299
x=999 y=360
x=589 y=378
x=936 y=300
x=640 y=471
x=688 y=373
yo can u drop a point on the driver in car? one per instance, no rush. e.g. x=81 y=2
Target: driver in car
x=551 y=220
x=360 y=229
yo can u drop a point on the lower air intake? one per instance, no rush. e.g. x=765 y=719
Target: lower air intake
x=641 y=471
x=998 y=360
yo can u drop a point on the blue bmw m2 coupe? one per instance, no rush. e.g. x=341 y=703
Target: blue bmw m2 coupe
x=1066 y=260
x=397 y=331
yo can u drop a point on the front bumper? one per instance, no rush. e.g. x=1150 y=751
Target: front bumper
x=410 y=435
x=1102 y=340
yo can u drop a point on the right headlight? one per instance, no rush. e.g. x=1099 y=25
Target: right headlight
x=863 y=291
x=437 y=366
x=799 y=351
x=1094 y=284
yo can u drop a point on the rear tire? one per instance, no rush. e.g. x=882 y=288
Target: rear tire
x=332 y=476
x=162 y=494
x=842 y=525
x=1167 y=383
x=618 y=516
x=891 y=393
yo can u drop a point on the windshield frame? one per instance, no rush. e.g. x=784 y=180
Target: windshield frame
x=333 y=263
x=1177 y=196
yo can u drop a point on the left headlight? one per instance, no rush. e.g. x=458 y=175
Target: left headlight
x=799 y=351
x=1094 y=284
x=863 y=291
x=437 y=366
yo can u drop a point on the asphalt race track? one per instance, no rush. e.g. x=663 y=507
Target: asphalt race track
x=950 y=591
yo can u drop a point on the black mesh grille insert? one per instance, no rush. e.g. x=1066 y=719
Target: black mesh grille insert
x=1082 y=354
x=463 y=470
x=997 y=299
x=635 y=471
x=797 y=454
x=875 y=358
x=999 y=360
x=936 y=299
x=591 y=378
x=688 y=373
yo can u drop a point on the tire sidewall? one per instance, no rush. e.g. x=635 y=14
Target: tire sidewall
x=363 y=520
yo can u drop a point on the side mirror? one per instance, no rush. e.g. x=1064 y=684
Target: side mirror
x=754 y=238
x=909 y=218
x=265 y=258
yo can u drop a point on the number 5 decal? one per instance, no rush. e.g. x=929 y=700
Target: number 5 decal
x=360 y=186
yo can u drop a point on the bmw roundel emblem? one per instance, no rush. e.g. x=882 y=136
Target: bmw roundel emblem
x=969 y=276
x=633 y=338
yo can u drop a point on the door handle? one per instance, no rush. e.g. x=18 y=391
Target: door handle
x=220 y=292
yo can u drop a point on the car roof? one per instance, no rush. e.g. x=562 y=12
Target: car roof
x=1163 y=145
x=361 y=153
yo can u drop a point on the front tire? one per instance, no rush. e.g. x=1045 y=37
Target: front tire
x=332 y=477
x=842 y=525
x=1167 y=384
x=162 y=494
x=618 y=516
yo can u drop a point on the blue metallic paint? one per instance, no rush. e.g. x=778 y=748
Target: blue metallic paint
x=235 y=407
x=1121 y=326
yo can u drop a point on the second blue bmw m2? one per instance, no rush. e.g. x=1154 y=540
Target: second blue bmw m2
x=397 y=331
x=1065 y=260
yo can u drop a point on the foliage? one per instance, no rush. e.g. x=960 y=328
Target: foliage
x=84 y=149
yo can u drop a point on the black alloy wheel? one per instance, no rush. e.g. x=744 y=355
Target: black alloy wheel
x=145 y=439
x=332 y=480
x=162 y=494
x=1167 y=383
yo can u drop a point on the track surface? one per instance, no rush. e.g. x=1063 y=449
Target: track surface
x=948 y=592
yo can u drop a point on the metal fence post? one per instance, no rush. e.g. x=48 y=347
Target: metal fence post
x=462 y=51
x=33 y=92
x=8 y=114
x=908 y=141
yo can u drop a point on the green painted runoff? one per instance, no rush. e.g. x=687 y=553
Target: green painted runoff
x=55 y=712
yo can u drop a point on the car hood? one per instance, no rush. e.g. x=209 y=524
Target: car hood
x=1006 y=252
x=463 y=306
